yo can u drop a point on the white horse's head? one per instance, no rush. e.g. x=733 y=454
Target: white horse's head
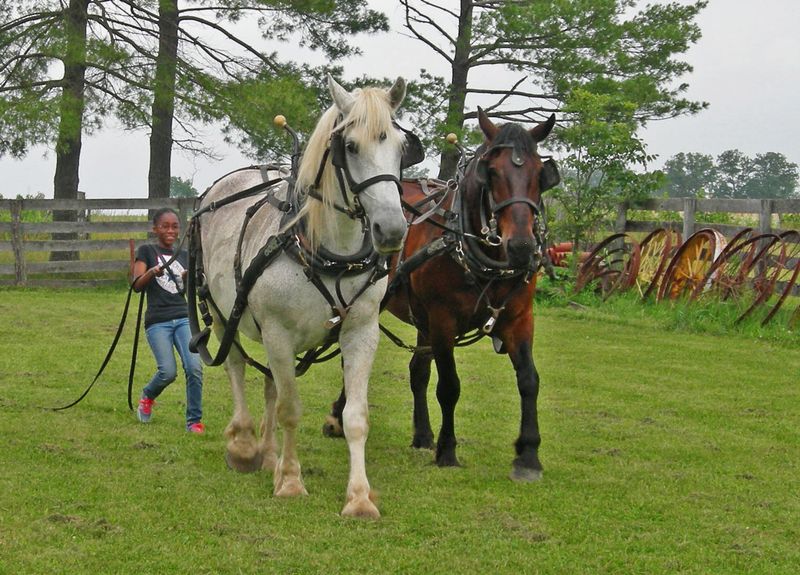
x=367 y=148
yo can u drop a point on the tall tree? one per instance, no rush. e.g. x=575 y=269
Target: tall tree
x=70 y=127
x=44 y=75
x=163 y=108
x=732 y=175
x=689 y=175
x=552 y=48
x=772 y=176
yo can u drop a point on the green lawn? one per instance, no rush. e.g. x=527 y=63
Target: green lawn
x=664 y=452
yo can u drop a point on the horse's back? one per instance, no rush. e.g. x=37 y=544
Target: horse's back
x=221 y=228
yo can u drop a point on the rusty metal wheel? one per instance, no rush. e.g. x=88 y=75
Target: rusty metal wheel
x=655 y=250
x=757 y=282
x=787 y=273
x=731 y=274
x=613 y=264
x=688 y=267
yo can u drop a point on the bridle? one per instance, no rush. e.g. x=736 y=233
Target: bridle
x=490 y=208
x=337 y=152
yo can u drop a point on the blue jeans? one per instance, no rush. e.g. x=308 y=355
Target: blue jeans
x=162 y=337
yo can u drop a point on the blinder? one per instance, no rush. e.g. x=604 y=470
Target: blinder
x=549 y=177
x=338 y=157
x=413 y=151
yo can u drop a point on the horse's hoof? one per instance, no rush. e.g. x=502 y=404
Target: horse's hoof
x=290 y=488
x=362 y=508
x=525 y=474
x=244 y=464
x=332 y=427
x=422 y=442
x=449 y=460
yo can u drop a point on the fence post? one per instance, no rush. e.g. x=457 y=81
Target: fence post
x=765 y=217
x=622 y=217
x=20 y=275
x=185 y=210
x=689 y=209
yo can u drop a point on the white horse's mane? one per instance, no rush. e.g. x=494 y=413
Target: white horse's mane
x=370 y=116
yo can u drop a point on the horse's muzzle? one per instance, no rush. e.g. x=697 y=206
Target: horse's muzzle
x=388 y=239
x=520 y=252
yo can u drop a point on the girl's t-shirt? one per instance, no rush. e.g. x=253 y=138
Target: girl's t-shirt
x=165 y=299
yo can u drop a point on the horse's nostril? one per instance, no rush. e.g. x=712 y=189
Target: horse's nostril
x=519 y=251
x=519 y=247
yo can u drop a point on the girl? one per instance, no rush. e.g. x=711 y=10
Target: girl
x=166 y=319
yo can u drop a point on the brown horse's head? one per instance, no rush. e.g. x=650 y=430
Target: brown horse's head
x=510 y=178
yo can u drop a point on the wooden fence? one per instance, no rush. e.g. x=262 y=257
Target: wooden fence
x=25 y=245
x=691 y=208
x=103 y=239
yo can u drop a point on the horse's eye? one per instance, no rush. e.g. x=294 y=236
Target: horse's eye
x=382 y=137
x=352 y=147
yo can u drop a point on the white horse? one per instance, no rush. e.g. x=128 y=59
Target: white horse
x=284 y=310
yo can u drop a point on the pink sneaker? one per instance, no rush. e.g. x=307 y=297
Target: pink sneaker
x=196 y=427
x=145 y=411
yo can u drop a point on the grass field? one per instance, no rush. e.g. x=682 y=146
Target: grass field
x=664 y=452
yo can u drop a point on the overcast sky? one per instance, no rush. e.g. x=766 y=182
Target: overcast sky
x=747 y=66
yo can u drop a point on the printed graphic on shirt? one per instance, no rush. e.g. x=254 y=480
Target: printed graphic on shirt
x=165 y=279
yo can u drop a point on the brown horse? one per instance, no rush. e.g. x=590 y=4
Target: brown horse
x=472 y=266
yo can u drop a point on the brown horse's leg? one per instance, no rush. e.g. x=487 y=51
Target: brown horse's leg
x=333 y=426
x=527 y=466
x=420 y=373
x=448 y=390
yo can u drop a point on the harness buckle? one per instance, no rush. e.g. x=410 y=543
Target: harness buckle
x=333 y=322
x=489 y=325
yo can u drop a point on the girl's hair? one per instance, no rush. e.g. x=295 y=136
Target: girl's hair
x=160 y=212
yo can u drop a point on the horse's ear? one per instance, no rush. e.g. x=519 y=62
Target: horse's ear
x=487 y=126
x=541 y=131
x=341 y=97
x=397 y=93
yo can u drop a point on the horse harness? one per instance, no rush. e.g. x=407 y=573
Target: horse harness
x=463 y=244
x=291 y=241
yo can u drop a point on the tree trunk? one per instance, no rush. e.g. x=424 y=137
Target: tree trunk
x=458 y=87
x=163 y=101
x=68 y=145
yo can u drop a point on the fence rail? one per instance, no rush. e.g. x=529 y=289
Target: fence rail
x=691 y=207
x=28 y=242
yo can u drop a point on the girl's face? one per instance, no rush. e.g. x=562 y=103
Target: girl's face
x=167 y=229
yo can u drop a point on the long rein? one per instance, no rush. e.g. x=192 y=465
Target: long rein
x=118 y=334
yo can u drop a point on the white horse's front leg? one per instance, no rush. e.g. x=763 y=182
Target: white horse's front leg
x=288 y=481
x=358 y=351
x=243 y=452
